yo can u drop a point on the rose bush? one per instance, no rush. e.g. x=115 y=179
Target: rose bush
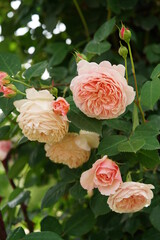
x=79 y=101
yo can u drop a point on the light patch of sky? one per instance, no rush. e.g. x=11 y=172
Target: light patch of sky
x=47 y=34
x=15 y=4
x=21 y=31
x=45 y=75
x=27 y=64
x=60 y=27
x=68 y=41
x=34 y=23
x=31 y=50
x=10 y=14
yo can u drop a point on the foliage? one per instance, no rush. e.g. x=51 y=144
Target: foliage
x=39 y=195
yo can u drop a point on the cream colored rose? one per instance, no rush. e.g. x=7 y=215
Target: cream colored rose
x=37 y=118
x=131 y=197
x=73 y=150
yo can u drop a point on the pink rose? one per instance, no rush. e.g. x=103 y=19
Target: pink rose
x=60 y=106
x=104 y=175
x=5 y=147
x=131 y=197
x=3 y=81
x=8 y=91
x=100 y=90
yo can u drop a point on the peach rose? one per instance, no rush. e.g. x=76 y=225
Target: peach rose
x=5 y=147
x=71 y=150
x=104 y=175
x=37 y=119
x=131 y=197
x=100 y=90
x=60 y=106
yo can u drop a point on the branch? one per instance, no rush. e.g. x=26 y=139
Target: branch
x=29 y=223
x=3 y=234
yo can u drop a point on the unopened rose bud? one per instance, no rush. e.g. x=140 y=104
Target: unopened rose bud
x=80 y=56
x=125 y=34
x=9 y=91
x=123 y=51
x=3 y=78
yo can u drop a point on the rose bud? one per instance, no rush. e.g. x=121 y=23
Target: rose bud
x=9 y=91
x=125 y=34
x=123 y=51
x=3 y=80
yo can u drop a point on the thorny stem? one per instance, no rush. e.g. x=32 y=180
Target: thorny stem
x=82 y=18
x=18 y=91
x=135 y=82
x=125 y=60
x=3 y=234
x=29 y=223
x=18 y=81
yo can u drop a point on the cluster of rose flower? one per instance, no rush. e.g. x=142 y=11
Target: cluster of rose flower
x=100 y=91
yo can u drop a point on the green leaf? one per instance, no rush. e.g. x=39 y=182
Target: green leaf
x=151 y=234
x=150 y=93
x=155 y=217
x=156 y=73
x=36 y=70
x=80 y=223
x=151 y=143
x=6 y=104
x=9 y=63
x=149 y=159
x=17 y=167
x=146 y=130
x=98 y=204
x=81 y=121
x=119 y=125
x=105 y=30
x=53 y=194
x=132 y=145
x=69 y=175
x=17 y=234
x=58 y=51
x=109 y=145
x=77 y=191
x=19 y=199
x=2 y=117
x=22 y=140
x=4 y=132
x=51 y=224
x=42 y=236
x=97 y=47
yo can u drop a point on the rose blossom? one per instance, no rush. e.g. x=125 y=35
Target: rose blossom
x=100 y=90
x=74 y=149
x=5 y=147
x=37 y=118
x=131 y=197
x=60 y=106
x=104 y=175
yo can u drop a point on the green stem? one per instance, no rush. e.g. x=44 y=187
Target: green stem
x=82 y=18
x=125 y=60
x=18 y=91
x=135 y=83
x=15 y=80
